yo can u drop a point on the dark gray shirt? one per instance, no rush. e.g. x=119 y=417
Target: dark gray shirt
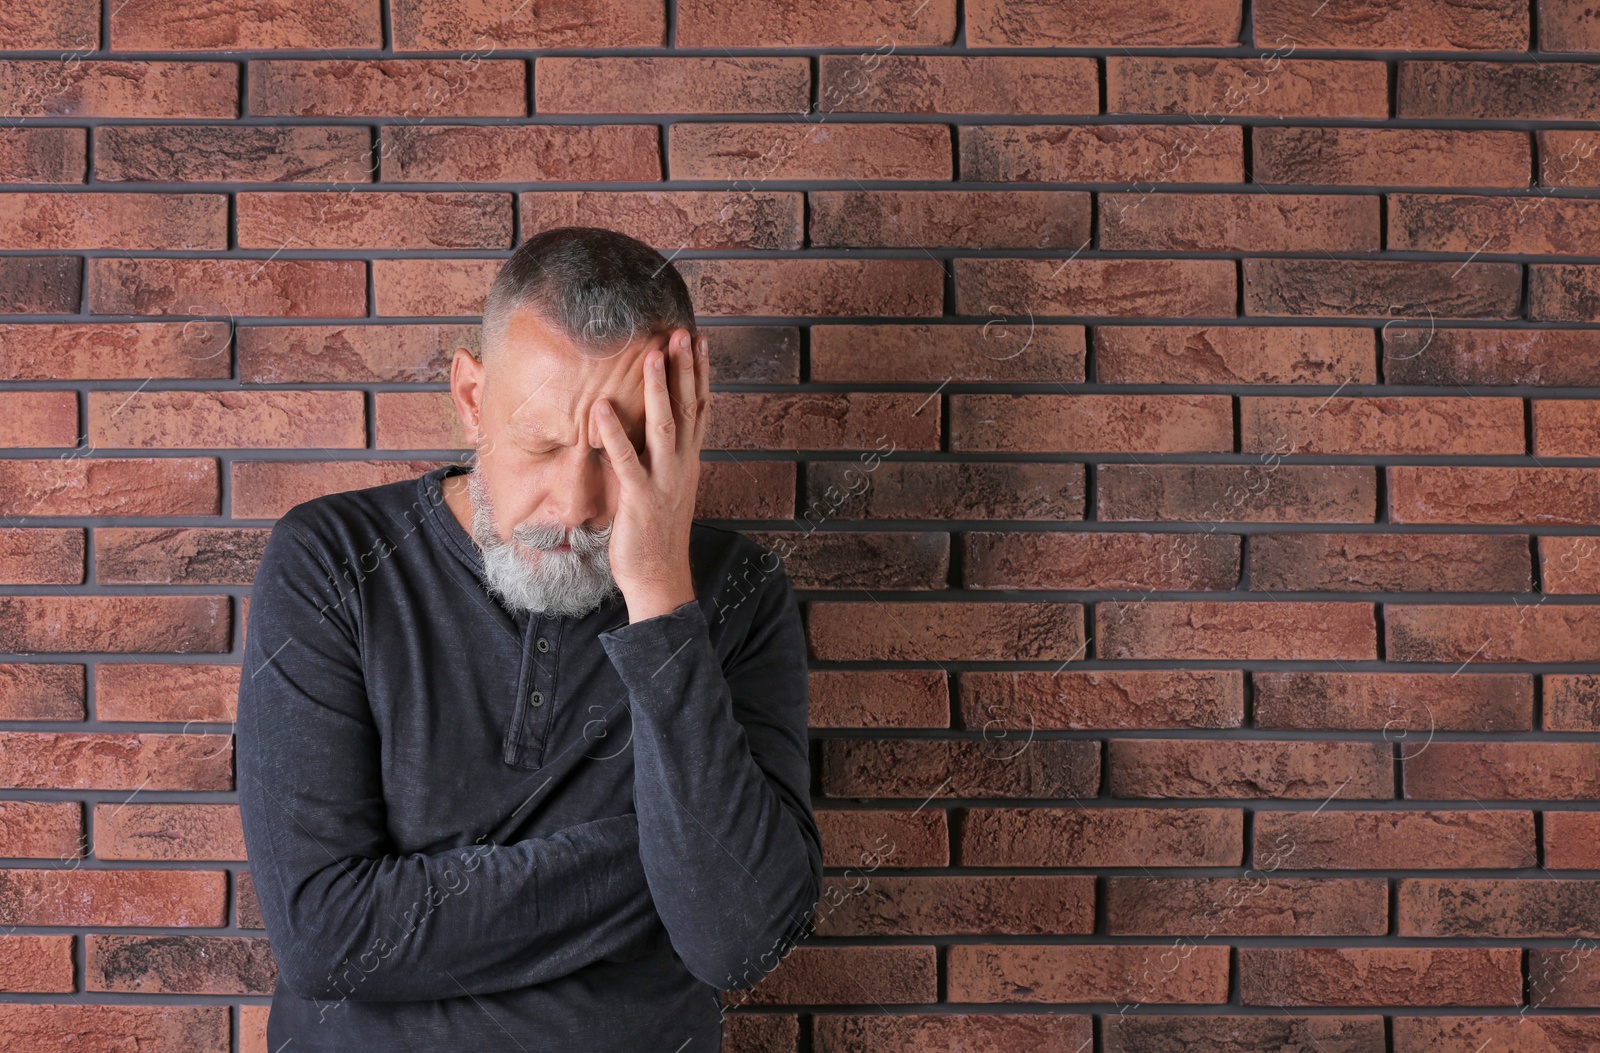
x=473 y=829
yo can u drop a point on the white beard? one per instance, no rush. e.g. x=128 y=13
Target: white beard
x=528 y=574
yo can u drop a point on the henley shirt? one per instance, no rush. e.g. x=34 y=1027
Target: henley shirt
x=478 y=829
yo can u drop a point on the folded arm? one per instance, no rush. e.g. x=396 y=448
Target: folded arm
x=722 y=783
x=347 y=915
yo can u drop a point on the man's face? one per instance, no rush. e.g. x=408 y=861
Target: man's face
x=542 y=488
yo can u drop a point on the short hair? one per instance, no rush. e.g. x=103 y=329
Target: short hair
x=598 y=287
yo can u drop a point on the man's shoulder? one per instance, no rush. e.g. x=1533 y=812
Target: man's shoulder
x=336 y=523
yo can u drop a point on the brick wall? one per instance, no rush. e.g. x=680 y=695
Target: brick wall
x=1178 y=417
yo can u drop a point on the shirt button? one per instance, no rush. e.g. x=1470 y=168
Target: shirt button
x=542 y=644
x=537 y=698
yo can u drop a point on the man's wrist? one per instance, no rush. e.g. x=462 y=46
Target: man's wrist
x=658 y=603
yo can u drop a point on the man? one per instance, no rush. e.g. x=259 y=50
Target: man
x=522 y=749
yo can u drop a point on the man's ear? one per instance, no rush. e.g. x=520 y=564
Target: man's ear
x=466 y=391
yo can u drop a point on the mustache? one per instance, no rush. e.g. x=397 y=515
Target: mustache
x=583 y=540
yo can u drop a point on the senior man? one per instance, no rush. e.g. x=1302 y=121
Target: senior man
x=522 y=748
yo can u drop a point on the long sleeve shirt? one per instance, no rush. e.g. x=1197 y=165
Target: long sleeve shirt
x=482 y=829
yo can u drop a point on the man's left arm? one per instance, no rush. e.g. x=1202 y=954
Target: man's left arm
x=727 y=837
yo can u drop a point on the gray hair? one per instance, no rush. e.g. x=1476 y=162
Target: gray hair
x=598 y=287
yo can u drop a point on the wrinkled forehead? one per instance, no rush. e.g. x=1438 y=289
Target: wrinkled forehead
x=545 y=386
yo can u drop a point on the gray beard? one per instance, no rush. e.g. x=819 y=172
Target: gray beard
x=527 y=574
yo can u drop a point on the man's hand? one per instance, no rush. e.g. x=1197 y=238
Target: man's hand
x=650 y=532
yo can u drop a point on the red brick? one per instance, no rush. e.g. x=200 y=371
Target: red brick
x=521 y=153
x=1563 y=292
x=1102 y=153
x=1568 y=564
x=775 y=24
x=1265 y=86
x=1386 y=976
x=1113 y=23
x=487 y=25
x=1099 y=560
x=38 y=418
x=169 y=898
x=1473 y=223
x=247 y=288
x=1234 y=355
x=1091 y=423
x=863 y=1033
x=1101 y=837
x=933 y=218
x=919 y=353
x=878 y=83
x=676 y=219
x=1493 y=91
x=115 y=351
x=1345 y=562
x=850 y=976
x=1572 y=701
x=1478 y=495
x=1565 y=428
x=1472 y=357
x=267 y=489
x=1189 y=288
x=1311 y=770
x=30 y=25
x=422 y=89
x=296 y=220
x=1015 y=905
x=109 y=486
x=227 y=419
x=109 y=1028
x=1496 y=908
x=350 y=354
x=178 y=555
x=1420 y=25
x=40 y=555
x=966 y=490
x=871 y=838
x=1491 y=633
x=1566 y=1033
x=1245 y=630
x=1240 y=222
x=1568 y=158
x=139 y=964
x=1271 y=492
x=815 y=287
x=297 y=154
x=422 y=420
x=195 y=25
x=1246 y=906
x=1572 y=840
x=1564 y=976
x=443 y=288
x=114 y=623
x=888 y=559
x=102 y=761
x=121 y=221
x=184 y=832
x=821 y=421
x=253 y=1028
x=36 y=963
x=41 y=829
x=41 y=691
x=191 y=693
x=930 y=632
x=1504 y=771
x=43 y=155
x=931 y=768
x=1014 y=704
x=1087 y=973
x=1407 y=707
x=1392 y=156
x=105 y=88
x=1390 y=840
x=659 y=84
x=1568 y=25
x=40 y=285
x=1381 y=288
x=1228 y=1033
x=751 y=152
x=885 y=698
x=1397 y=425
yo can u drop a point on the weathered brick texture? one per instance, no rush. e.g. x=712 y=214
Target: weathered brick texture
x=1179 y=418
